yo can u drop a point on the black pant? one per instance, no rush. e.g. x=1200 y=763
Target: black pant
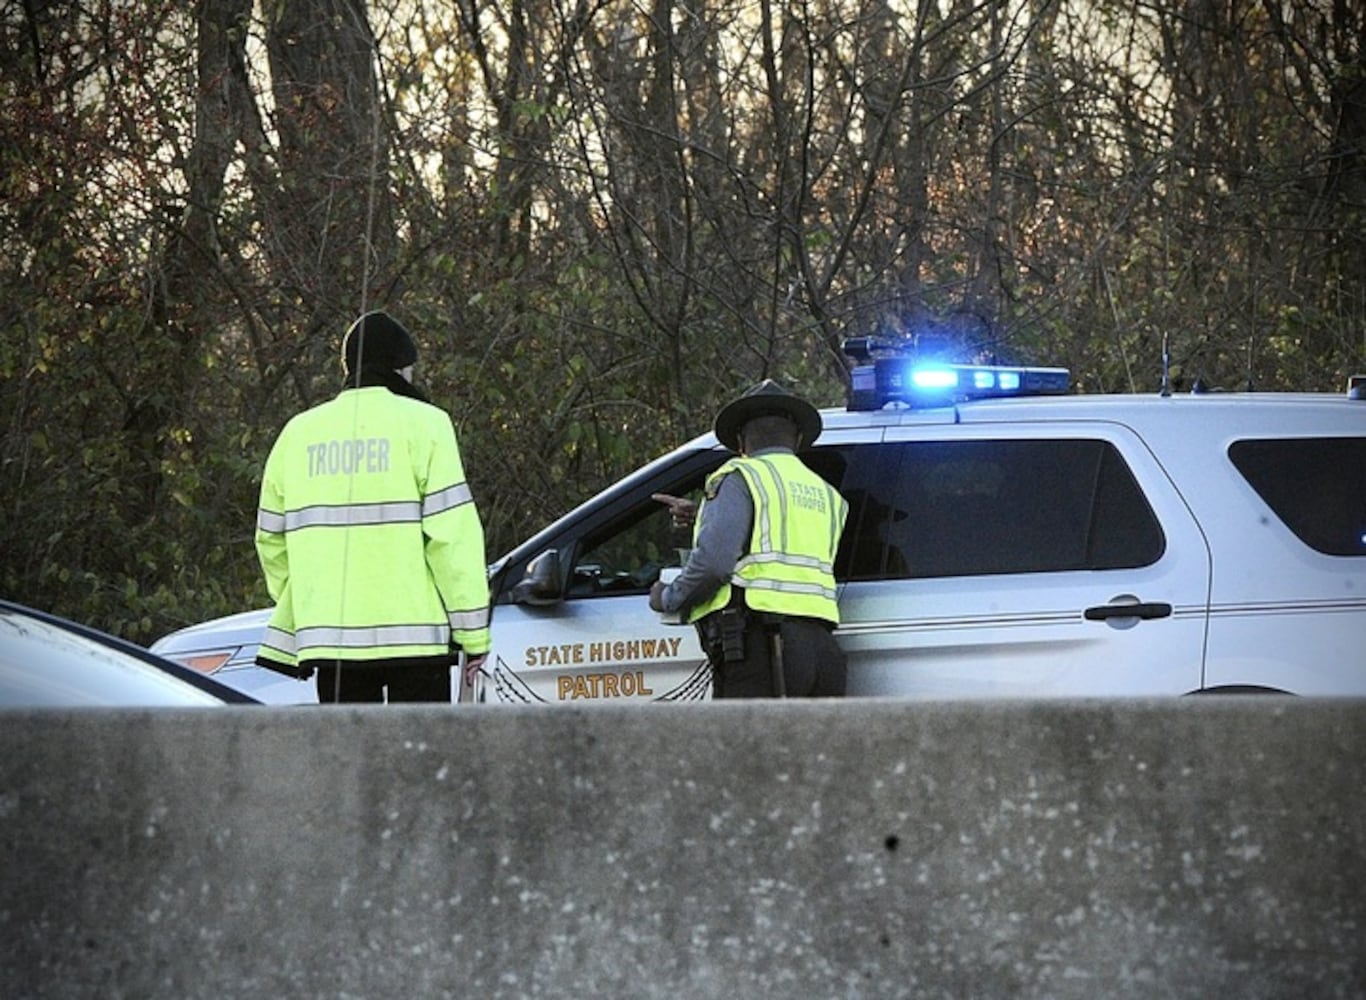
x=814 y=666
x=364 y=682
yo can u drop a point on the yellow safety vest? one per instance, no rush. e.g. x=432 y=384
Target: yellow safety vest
x=798 y=519
x=368 y=536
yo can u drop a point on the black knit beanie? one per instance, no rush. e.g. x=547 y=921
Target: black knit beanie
x=378 y=342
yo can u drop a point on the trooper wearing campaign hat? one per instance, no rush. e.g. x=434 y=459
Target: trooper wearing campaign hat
x=767 y=398
x=759 y=583
x=368 y=536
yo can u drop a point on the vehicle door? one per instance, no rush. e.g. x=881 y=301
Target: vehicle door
x=571 y=617
x=1020 y=561
x=1288 y=609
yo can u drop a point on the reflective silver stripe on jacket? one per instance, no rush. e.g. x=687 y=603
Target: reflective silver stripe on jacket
x=467 y=621
x=394 y=512
x=370 y=636
x=447 y=499
x=270 y=522
x=278 y=638
x=353 y=515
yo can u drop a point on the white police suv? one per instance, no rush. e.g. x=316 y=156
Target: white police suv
x=1004 y=539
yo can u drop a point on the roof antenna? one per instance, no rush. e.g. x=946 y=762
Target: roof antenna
x=1166 y=368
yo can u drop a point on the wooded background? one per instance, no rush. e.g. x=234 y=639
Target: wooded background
x=604 y=219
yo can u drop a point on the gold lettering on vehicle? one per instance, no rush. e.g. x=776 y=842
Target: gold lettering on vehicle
x=606 y=683
x=628 y=685
x=571 y=654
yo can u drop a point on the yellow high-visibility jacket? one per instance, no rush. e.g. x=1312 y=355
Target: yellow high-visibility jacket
x=798 y=519
x=369 y=538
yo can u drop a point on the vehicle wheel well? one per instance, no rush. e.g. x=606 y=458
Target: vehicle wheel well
x=1243 y=689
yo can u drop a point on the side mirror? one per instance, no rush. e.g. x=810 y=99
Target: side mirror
x=540 y=585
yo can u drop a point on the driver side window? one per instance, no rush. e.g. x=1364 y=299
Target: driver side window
x=628 y=555
x=629 y=560
x=625 y=556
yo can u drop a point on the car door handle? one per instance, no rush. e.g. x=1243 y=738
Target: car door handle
x=1139 y=609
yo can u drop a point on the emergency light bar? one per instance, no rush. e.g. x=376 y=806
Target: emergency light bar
x=916 y=383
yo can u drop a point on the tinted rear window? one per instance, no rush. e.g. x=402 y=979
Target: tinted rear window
x=1316 y=486
x=978 y=508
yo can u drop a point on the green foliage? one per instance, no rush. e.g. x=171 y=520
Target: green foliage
x=601 y=236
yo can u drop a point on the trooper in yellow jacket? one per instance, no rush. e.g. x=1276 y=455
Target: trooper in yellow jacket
x=369 y=538
x=759 y=583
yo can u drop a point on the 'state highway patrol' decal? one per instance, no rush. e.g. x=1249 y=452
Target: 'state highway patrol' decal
x=509 y=687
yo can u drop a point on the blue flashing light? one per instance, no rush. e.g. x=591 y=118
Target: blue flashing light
x=898 y=379
x=934 y=378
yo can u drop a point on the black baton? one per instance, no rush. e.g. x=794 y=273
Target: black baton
x=775 y=656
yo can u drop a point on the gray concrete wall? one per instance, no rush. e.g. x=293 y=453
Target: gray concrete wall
x=1194 y=848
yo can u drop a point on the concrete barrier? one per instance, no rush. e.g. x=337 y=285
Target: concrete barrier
x=1193 y=848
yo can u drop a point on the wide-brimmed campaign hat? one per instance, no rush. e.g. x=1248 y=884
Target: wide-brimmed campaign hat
x=765 y=399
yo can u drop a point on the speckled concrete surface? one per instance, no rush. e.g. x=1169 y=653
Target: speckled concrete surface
x=1194 y=848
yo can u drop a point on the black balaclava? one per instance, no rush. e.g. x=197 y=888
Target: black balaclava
x=373 y=351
